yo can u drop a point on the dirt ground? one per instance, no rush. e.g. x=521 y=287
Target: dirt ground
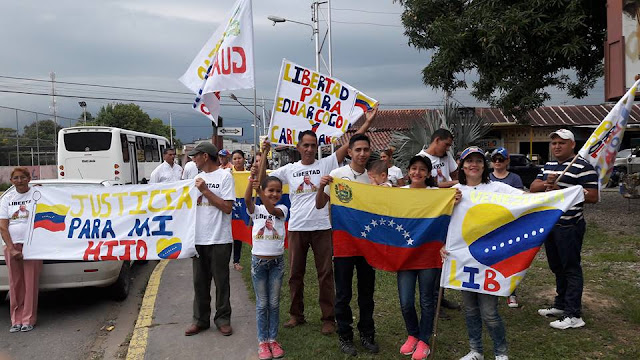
x=615 y=214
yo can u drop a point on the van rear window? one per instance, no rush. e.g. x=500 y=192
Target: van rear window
x=84 y=141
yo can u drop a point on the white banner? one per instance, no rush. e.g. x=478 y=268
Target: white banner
x=601 y=148
x=130 y=222
x=493 y=237
x=226 y=60
x=308 y=100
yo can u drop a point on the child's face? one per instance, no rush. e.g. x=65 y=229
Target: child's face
x=377 y=178
x=273 y=192
x=418 y=173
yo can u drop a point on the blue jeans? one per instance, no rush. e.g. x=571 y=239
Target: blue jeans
x=407 y=291
x=266 y=275
x=482 y=307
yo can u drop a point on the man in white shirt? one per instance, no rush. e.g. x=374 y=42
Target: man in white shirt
x=190 y=170
x=213 y=241
x=359 y=152
x=445 y=169
x=310 y=227
x=168 y=171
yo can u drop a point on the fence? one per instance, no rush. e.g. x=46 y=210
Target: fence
x=37 y=172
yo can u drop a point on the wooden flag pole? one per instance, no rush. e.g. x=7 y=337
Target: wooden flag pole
x=435 y=324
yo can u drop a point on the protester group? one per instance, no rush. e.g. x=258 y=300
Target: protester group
x=309 y=226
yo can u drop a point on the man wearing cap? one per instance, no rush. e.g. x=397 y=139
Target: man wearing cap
x=224 y=159
x=564 y=243
x=213 y=241
x=168 y=171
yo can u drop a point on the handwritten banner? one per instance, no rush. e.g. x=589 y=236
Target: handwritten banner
x=131 y=222
x=493 y=237
x=308 y=100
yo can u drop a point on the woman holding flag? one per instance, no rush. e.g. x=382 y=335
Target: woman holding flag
x=478 y=307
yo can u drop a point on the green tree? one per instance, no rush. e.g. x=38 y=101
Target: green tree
x=90 y=118
x=516 y=50
x=132 y=117
x=45 y=130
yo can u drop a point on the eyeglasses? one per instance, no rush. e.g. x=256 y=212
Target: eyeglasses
x=16 y=178
x=498 y=159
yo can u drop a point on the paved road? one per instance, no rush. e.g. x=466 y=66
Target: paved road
x=72 y=323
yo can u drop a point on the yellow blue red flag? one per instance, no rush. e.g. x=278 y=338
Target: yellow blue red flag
x=394 y=229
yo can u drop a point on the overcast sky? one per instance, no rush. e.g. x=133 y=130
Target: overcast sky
x=149 y=44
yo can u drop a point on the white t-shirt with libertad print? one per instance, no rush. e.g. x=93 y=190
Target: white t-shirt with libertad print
x=16 y=207
x=213 y=226
x=303 y=181
x=268 y=231
x=442 y=167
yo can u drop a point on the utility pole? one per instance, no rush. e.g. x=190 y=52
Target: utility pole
x=37 y=140
x=171 y=130
x=17 y=139
x=52 y=75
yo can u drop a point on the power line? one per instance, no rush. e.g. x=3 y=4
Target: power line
x=368 y=11
x=364 y=23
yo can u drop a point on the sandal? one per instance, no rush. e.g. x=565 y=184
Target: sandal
x=15 y=328
x=26 y=328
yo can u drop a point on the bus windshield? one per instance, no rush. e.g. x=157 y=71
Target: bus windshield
x=85 y=141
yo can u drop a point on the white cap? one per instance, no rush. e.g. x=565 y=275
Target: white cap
x=564 y=134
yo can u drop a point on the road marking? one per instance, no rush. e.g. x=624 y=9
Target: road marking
x=138 y=343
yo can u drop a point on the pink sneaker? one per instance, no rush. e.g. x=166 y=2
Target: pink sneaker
x=276 y=350
x=409 y=346
x=422 y=351
x=264 y=353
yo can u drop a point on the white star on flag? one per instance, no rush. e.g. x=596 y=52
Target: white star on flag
x=382 y=221
x=367 y=228
x=391 y=223
x=410 y=241
x=364 y=234
x=374 y=223
x=399 y=228
x=406 y=234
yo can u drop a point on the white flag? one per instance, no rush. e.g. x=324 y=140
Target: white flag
x=209 y=106
x=602 y=146
x=226 y=60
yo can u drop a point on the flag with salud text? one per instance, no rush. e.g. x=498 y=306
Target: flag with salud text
x=601 y=148
x=240 y=220
x=493 y=237
x=394 y=229
x=225 y=62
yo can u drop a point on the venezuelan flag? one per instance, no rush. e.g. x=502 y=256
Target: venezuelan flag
x=240 y=220
x=394 y=229
x=364 y=102
x=50 y=217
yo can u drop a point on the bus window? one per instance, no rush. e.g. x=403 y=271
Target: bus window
x=156 y=154
x=139 y=149
x=125 y=147
x=85 y=141
x=162 y=147
x=148 y=150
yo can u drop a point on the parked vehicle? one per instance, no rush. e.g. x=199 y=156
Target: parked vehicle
x=521 y=165
x=627 y=161
x=113 y=275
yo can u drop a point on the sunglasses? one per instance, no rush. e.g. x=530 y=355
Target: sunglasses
x=498 y=159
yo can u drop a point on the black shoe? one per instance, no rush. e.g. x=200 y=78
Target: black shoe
x=449 y=304
x=347 y=347
x=369 y=343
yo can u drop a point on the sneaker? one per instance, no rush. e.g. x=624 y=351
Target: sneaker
x=422 y=351
x=473 y=355
x=512 y=301
x=567 y=322
x=502 y=357
x=15 y=328
x=369 y=343
x=347 y=347
x=551 y=312
x=264 y=353
x=409 y=346
x=276 y=350
x=26 y=328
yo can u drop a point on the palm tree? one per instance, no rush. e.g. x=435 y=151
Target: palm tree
x=465 y=125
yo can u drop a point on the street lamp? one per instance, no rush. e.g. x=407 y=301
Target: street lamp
x=83 y=105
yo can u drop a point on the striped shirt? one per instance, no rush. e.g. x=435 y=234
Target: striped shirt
x=580 y=173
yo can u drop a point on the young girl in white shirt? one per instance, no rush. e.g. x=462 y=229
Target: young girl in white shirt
x=267 y=261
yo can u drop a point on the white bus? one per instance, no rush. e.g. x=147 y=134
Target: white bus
x=108 y=153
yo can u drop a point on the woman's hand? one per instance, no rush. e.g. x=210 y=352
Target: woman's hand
x=443 y=253
x=15 y=253
x=458 y=197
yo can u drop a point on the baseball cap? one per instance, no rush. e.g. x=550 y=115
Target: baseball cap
x=204 y=147
x=471 y=150
x=564 y=134
x=500 y=151
x=224 y=152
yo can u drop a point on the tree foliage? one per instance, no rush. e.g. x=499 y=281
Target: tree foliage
x=515 y=50
x=44 y=130
x=132 y=117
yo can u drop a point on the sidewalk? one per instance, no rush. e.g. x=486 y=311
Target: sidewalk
x=173 y=314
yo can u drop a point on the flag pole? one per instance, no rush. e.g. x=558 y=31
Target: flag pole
x=435 y=323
